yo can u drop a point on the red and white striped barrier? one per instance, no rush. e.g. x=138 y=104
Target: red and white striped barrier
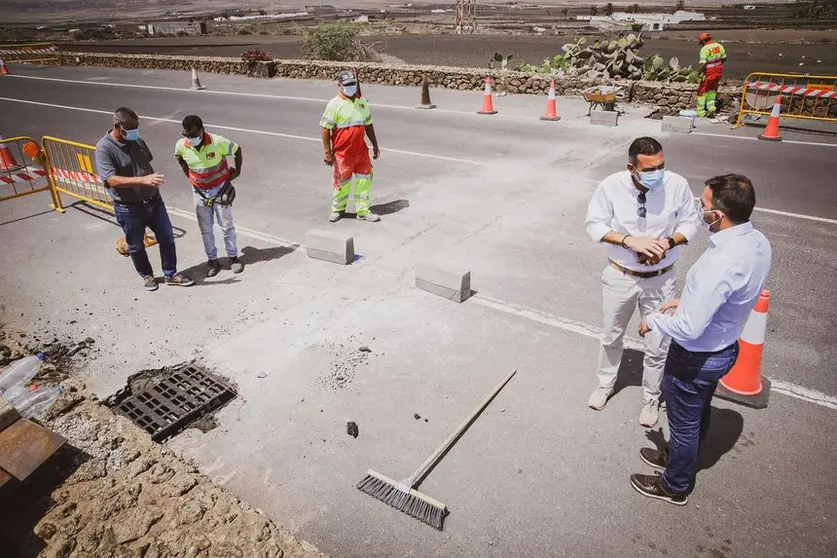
x=791 y=90
x=20 y=176
x=16 y=51
x=76 y=176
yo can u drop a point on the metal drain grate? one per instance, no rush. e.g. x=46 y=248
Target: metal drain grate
x=177 y=398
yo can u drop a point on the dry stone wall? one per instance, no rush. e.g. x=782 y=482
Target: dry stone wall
x=672 y=96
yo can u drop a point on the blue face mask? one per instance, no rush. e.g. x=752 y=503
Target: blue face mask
x=131 y=135
x=196 y=142
x=349 y=90
x=652 y=179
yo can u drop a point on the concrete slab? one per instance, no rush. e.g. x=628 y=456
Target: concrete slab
x=608 y=118
x=330 y=246
x=446 y=280
x=679 y=124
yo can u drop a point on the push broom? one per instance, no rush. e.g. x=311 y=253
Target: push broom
x=403 y=495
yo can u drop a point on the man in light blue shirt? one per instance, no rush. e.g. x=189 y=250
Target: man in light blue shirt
x=704 y=326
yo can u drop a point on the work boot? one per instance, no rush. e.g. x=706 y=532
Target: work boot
x=598 y=398
x=179 y=280
x=370 y=217
x=149 y=283
x=236 y=266
x=335 y=216
x=650 y=412
x=654 y=457
x=651 y=486
x=213 y=268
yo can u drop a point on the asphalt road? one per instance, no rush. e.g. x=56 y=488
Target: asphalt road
x=538 y=474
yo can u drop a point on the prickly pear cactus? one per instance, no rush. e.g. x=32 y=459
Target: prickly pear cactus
x=616 y=58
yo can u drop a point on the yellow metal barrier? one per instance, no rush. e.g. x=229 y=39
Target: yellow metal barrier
x=29 y=52
x=22 y=168
x=71 y=171
x=803 y=96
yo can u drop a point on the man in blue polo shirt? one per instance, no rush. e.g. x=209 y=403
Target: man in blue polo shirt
x=123 y=163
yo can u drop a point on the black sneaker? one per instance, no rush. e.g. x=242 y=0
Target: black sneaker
x=651 y=486
x=213 y=268
x=654 y=457
x=149 y=283
x=236 y=266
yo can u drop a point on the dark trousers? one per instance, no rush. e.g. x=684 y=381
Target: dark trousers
x=689 y=381
x=134 y=219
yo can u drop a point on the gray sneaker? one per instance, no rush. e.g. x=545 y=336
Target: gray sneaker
x=213 y=268
x=236 y=266
x=650 y=413
x=599 y=397
x=370 y=217
x=335 y=216
x=149 y=283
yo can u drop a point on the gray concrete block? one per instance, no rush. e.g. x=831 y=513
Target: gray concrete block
x=679 y=124
x=8 y=414
x=604 y=117
x=331 y=246
x=447 y=281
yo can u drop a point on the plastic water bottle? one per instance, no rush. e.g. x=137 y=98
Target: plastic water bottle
x=37 y=401
x=20 y=372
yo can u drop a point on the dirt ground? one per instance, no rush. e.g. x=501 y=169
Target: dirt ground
x=475 y=50
x=111 y=491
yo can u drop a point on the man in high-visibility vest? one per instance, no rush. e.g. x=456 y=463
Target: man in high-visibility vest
x=203 y=158
x=345 y=124
x=712 y=58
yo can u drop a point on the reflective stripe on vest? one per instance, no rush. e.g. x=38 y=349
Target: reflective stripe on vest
x=210 y=177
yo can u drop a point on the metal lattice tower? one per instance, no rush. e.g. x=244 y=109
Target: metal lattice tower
x=466 y=16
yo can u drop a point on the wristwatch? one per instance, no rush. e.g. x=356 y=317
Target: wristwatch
x=671 y=242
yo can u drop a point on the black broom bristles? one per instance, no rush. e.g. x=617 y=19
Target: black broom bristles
x=409 y=501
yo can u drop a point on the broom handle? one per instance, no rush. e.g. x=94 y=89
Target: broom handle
x=440 y=451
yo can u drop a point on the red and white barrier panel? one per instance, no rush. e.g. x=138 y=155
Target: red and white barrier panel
x=21 y=176
x=791 y=90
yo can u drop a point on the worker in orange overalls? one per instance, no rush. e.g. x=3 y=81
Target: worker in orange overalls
x=712 y=58
x=345 y=124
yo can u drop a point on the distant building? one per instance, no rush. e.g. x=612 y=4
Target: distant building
x=175 y=27
x=649 y=22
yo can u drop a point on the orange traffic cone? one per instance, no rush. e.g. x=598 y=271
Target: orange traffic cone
x=771 y=132
x=551 y=112
x=744 y=383
x=487 y=103
x=3 y=70
x=7 y=159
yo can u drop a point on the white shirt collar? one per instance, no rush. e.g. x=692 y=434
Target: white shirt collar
x=727 y=234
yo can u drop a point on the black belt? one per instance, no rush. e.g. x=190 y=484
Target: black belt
x=640 y=274
x=149 y=201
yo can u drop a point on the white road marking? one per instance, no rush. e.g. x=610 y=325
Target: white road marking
x=254 y=95
x=566 y=324
x=245 y=130
x=795 y=215
x=805 y=394
x=795 y=142
x=573 y=326
x=242 y=231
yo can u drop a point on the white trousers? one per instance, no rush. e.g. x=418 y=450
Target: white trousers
x=621 y=295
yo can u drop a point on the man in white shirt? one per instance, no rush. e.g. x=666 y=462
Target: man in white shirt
x=720 y=291
x=643 y=213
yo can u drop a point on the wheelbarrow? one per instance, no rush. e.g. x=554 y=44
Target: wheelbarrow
x=603 y=96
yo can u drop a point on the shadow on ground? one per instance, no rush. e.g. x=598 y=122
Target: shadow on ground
x=23 y=504
x=249 y=256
